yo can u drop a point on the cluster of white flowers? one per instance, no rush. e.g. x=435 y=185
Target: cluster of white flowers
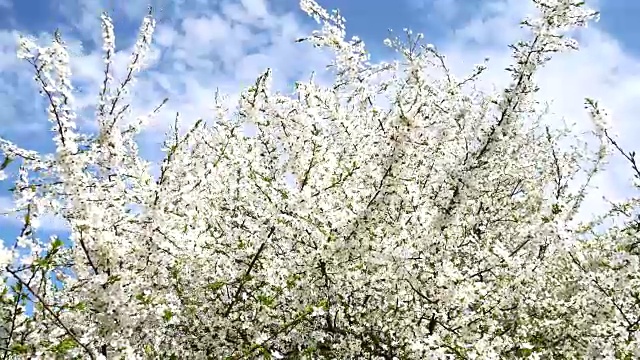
x=436 y=226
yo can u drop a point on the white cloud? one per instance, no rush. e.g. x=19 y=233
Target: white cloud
x=445 y=10
x=18 y=94
x=48 y=222
x=256 y=8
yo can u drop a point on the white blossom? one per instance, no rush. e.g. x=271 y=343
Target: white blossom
x=395 y=214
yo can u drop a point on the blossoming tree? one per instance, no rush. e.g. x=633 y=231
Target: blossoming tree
x=400 y=213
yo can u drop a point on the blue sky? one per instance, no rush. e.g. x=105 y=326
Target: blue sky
x=201 y=45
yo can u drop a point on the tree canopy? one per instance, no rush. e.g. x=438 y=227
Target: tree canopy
x=398 y=213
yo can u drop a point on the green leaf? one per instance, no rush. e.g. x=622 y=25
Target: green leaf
x=292 y=280
x=217 y=285
x=146 y=300
x=56 y=244
x=80 y=306
x=5 y=163
x=148 y=350
x=19 y=349
x=265 y=353
x=65 y=345
x=266 y=300
x=113 y=279
x=167 y=315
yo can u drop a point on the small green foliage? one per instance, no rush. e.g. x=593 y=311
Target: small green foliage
x=216 y=285
x=7 y=160
x=113 y=279
x=167 y=315
x=19 y=349
x=57 y=243
x=292 y=280
x=144 y=299
x=65 y=345
x=265 y=300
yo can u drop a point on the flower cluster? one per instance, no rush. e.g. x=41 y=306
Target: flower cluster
x=400 y=213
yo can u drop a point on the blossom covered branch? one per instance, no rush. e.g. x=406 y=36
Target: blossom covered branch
x=428 y=219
